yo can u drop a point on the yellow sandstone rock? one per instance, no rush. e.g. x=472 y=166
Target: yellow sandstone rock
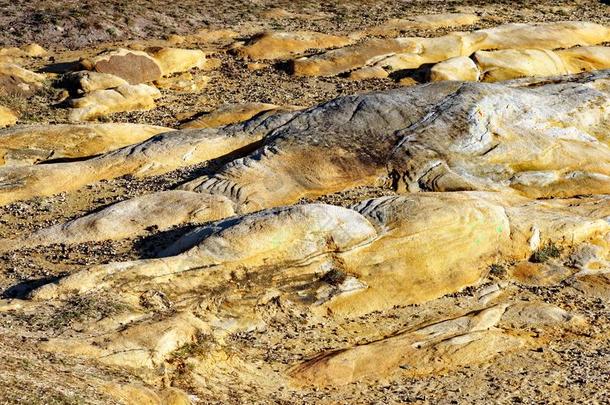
x=104 y=102
x=342 y=263
x=176 y=39
x=34 y=50
x=87 y=81
x=486 y=136
x=133 y=66
x=460 y=68
x=229 y=114
x=515 y=63
x=12 y=69
x=7 y=117
x=131 y=218
x=369 y=72
x=30 y=50
x=32 y=144
x=175 y=60
x=392 y=250
x=442 y=346
x=411 y=53
x=351 y=57
x=15 y=81
x=282 y=45
x=395 y=26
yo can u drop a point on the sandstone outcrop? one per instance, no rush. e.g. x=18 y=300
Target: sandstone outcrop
x=133 y=217
x=7 y=117
x=30 y=50
x=334 y=261
x=33 y=144
x=368 y=72
x=431 y=226
x=510 y=64
x=176 y=60
x=229 y=114
x=86 y=81
x=469 y=339
x=160 y=154
x=137 y=66
x=411 y=53
x=283 y=45
x=351 y=57
x=395 y=27
x=460 y=68
x=17 y=81
x=104 y=102
x=133 y=66
x=34 y=51
x=464 y=136
x=12 y=69
x=396 y=250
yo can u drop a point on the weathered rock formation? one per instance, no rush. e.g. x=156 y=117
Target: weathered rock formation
x=513 y=63
x=104 y=102
x=229 y=114
x=411 y=53
x=33 y=144
x=85 y=81
x=133 y=66
x=334 y=261
x=396 y=26
x=7 y=117
x=283 y=45
x=17 y=81
x=459 y=68
x=142 y=67
x=463 y=209
x=176 y=60
x=440 y=137
x=132 y=218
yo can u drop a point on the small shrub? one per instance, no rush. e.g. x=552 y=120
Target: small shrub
x=545 y=253
x=497 y=270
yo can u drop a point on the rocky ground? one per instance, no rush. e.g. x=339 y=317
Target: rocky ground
x=310 y=202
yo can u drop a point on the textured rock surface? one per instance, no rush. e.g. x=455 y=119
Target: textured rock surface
x=175 y=60
x=460 y=68
x=32 y=144
x=12 y=69
x=510 y=64
x=388 y=242
x=411 y=53
x=7 y=117
x=133 y=66
x=336 y=261
x=447 y=344
x=29 y=50
x=396 y=26
x=17 y=81
x=87 y=82
x=132 y=217
x=400 y=250
x=283 y=45
x=229 y=114
x=160 y=154
x=454 y=140
x=344 y=59
x=104 y=102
